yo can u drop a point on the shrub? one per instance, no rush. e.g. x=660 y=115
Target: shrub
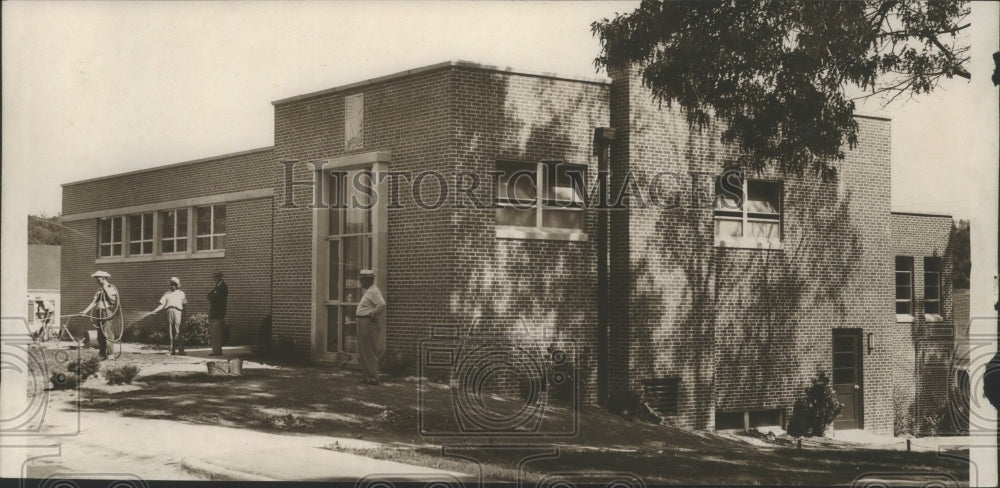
x=396 y=363
x=814 y=412
x=64 y=381
x=156 y=336
x=626 y=404
x=117 y=375
x=902 y=421
x=195 y=332
x=84 y=369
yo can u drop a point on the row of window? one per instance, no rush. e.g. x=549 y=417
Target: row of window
x=742 y=208
x=138 y=234
x=905 y=284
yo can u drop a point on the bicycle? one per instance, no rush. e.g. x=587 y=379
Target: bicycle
x=112 y=324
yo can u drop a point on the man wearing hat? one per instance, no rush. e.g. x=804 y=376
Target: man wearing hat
x=217 y=299
x=369 y=308
x=104 y=305
x=173 y=302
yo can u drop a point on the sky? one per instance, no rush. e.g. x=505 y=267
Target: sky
x=93 y=89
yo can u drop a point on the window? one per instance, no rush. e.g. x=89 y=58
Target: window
x=747 y=211
x=211 y=227
x=559 y=208
x=110 y=237
x=173 y=231
x=904 y=287
x=140 y=234
x=932 y=286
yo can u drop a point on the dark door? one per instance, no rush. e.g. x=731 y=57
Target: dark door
x=847 y=378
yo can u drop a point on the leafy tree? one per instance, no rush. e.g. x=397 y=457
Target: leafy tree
x=780 y=74
x=960 y=252
x=43 y=230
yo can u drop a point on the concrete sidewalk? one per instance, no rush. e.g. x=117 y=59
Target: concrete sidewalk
x=309 y=464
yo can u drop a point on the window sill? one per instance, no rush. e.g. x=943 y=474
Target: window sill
x=933 y=317
x=162 y=257
x=748 y=243
x=539 y=234
x=904 y=318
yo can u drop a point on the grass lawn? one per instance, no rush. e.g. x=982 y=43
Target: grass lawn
x=326 y=401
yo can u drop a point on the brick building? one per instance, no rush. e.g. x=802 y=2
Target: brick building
x=716 y=312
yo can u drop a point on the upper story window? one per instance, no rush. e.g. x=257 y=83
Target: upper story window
x=904 y=288
x=747 y=213
x=109 y=236
x=210 y=227
x=173 y=231
x=140 y=234
x=932 y=287
x=540 y=200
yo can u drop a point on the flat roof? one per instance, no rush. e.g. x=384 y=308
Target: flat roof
x=172 y=165
x=440 y=66
x=922 y=214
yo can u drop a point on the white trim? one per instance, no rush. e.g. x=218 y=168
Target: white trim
x=439 y=66
x=748 y=243
x=905 y=318
x=933 y=317
x=514 y=232
x=220 y=253
x=171 y=165
x=363 y=159
x=172 y=204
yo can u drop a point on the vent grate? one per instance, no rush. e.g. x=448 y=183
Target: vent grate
x=662 y=394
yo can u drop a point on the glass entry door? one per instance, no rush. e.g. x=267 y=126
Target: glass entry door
x=349 y=244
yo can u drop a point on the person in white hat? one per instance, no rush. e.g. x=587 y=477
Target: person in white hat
x=173 y=301
x=104 y=305
x=369 y=308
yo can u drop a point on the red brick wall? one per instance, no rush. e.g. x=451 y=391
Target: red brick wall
x=551 y=284
x=247 y=261
x=409 y=117
x=446 y=266
x=744 y=329
x=925 y=349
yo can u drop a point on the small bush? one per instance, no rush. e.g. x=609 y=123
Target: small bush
x=195 y=332
x=64 y=381
x=395 y=419
x=396 y=363
x=117 y=375
x=85 y=369
x=902 y=421
x=625 y=404
x=814 y=412
x=156 y=336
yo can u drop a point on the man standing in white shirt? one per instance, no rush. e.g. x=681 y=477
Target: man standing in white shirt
x=369 y=308
x=173 y=302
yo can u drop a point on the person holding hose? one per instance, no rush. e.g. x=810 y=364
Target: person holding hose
x=173 y=301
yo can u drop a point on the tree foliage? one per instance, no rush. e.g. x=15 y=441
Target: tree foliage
x=779 y=74
x=43 y=230
x=961 y=253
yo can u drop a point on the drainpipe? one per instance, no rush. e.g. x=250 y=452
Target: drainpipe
x=603 y=136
